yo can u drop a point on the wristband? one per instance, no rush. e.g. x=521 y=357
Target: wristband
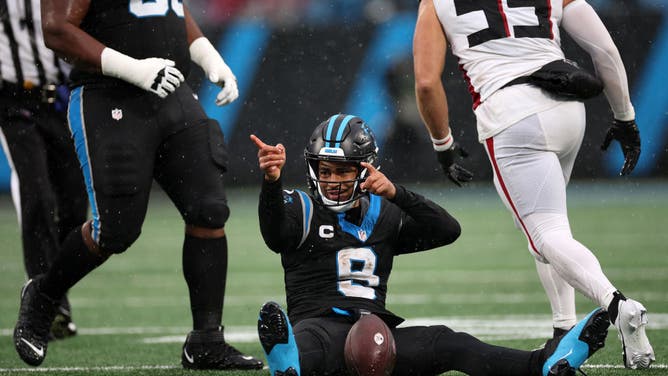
x=204 y=54
x=629 y=115
x=443 y=144
x=116 y=64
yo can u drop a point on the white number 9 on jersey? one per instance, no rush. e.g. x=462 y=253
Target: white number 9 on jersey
x=357 y=264
x=154 y=8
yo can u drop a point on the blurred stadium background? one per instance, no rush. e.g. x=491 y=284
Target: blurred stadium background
x=299 y=61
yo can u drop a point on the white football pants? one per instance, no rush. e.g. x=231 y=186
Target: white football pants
x=532 y=162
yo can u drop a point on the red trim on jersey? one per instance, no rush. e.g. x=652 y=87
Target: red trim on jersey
x=503 y=16
x=490 y=149
x=549 y=18
x=474 y=94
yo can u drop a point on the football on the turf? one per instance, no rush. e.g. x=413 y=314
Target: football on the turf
x=370 y=348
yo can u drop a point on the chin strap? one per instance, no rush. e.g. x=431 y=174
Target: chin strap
x=340 y=208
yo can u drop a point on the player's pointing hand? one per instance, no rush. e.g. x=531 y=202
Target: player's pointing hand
x=377 y=183
x=270 y=158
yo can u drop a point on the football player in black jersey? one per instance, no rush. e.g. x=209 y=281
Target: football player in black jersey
x=133 y=119
x=337 y=245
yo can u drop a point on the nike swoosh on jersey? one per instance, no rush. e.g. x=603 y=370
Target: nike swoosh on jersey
x=247 y=357
x=190 y=359
x=38 y=350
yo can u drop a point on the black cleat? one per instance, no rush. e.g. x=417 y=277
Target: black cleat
x=551 y=343
x=288 y=372
x=557 y=333
x=278 y=341
x=31 y=333
x=207 y=349
x=62 y=326
x=567 y=353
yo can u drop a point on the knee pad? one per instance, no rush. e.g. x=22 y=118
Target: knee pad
x=543 y=228
x=214 y=212
x=210 y=213
x=117 y=242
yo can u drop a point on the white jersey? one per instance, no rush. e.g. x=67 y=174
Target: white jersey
x=497 y=41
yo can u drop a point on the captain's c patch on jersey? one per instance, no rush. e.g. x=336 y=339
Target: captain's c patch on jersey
x=326 y=231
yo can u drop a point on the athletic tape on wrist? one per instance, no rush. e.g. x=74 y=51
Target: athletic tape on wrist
x=444 y=143
x=115 y=64
x=628 y=115
x=203 y=53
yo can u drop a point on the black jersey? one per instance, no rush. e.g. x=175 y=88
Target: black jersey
x=138 y=29
x=339 y=263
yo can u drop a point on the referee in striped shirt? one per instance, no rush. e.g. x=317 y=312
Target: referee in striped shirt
x=46 y=182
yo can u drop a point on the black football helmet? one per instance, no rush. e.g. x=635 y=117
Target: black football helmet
x=341 y=138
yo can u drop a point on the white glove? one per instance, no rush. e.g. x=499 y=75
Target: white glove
x=206 y=56
x=153 y=74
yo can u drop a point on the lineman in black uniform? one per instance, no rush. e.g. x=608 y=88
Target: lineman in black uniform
x=337 y=245
x=133 y=119
x=47 y=186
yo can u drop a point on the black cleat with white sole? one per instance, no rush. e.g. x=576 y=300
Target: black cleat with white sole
x=31 y=333
x=207 y=349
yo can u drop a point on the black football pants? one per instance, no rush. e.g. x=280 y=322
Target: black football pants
x=125 y=137
x=421 y=350
x=48 y=186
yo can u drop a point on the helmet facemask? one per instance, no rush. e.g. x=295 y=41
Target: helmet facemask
x=341 y=138
x=339 y=204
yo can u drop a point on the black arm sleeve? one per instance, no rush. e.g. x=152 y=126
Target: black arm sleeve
x=426 y=225
x=279 y=229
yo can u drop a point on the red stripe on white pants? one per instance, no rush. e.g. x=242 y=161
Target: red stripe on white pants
x=490 y=149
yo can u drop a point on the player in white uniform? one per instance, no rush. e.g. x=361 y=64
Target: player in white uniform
x=531 y=137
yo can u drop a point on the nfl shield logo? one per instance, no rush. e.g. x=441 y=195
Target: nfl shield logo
x=117 y=114
x=361 y=235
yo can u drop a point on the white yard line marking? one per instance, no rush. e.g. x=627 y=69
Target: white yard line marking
x=619 y=366
x=417 y=277
x=165 y=367
x=121 y=330
x=485 y=327
x=501 y=327
x=88 y=369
